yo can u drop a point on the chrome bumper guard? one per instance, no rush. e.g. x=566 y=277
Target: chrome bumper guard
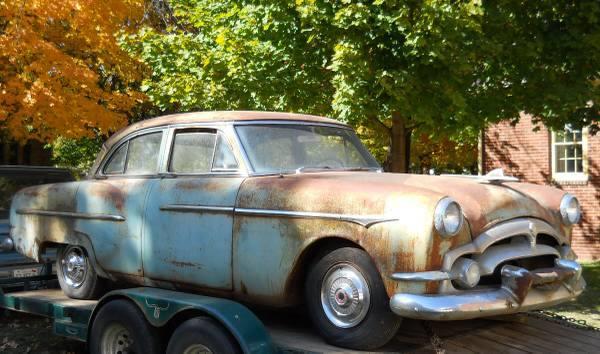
x=521 y=290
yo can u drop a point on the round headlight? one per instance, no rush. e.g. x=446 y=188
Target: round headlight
x=448 y=217
x=570 y=210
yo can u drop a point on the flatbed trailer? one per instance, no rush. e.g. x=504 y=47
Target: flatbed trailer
x=272 y=333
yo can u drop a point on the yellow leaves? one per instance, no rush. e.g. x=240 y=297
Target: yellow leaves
x=53 y=55
x=220 y=40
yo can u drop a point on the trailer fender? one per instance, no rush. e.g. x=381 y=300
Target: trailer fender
x=159 y=306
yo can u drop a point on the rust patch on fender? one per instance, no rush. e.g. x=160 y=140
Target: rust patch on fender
x=109 y=193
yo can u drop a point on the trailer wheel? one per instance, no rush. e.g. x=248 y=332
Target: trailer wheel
x=202 y=335
x=347 y=300
x=76 y=275
x=120 y=327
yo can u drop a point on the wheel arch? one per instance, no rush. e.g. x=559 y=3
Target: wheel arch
x=313 y=251
x=81 y=240
x=167 y=309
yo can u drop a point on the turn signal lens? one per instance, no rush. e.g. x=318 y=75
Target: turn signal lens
x=466 y=273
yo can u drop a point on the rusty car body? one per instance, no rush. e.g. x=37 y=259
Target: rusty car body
x=444 y=247
x=16 y=270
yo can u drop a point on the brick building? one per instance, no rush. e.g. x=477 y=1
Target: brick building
x=569 y=160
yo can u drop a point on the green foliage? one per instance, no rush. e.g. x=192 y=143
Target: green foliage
x=233 y=55
x=446 y=67
x=76 y=154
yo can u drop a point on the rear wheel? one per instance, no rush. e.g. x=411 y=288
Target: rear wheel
x=347 y=301
x=120 y=327
x=202 y=335
x=76 y=275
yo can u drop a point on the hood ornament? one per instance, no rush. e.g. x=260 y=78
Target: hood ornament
x=497 y=175
x=494 y=176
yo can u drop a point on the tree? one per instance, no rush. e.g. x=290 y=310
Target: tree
x=444 y=65
x=392 y=66
x=208 y=55
x=62 y=72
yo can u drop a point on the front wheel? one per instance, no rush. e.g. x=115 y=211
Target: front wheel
x=347 y=301
x=76 y=275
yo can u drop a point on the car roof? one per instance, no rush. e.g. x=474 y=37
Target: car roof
x=210 y=117
x=217 y=116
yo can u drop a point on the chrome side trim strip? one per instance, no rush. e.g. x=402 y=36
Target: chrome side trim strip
x=191 y=208
x=363 y=220
x=74 y=215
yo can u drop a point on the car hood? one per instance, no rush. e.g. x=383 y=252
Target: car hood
x=368 y=193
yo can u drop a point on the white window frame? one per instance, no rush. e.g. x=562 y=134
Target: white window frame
x=571 y=176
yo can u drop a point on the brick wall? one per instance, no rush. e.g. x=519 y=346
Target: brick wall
x=527 y=155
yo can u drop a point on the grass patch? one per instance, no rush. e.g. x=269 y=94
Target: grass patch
x=587 y=305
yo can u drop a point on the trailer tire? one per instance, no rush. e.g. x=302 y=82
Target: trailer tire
x=347 y=301
x=120 y=327
x=202 y=334
x=76 y=274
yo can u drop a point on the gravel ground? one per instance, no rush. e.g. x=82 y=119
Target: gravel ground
x=23 y=333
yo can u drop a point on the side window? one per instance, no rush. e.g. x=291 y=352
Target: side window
x=116 y=164
x=224 y=159
x=142 y=155
x=192 y=152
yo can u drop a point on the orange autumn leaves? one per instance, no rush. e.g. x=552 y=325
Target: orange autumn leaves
x=62 y=72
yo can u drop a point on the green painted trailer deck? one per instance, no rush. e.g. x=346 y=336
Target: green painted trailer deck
x=290 y=333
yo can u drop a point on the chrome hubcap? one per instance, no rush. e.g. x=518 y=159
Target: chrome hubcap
x=74 y=266
x=116 y=340
x=345 y=296
x=197 y=349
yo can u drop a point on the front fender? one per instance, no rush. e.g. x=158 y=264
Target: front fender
x=410 y=243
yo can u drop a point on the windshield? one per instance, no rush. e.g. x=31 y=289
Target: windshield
x=275 y=148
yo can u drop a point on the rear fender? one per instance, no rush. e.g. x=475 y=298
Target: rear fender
x=82 y=240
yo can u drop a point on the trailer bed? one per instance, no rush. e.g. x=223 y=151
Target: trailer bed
x=292 y=333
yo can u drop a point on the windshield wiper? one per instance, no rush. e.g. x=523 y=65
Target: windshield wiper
x=312 y=168
x=378 y=169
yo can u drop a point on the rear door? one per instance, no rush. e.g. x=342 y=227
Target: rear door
x=189 y=213
x=117 y=194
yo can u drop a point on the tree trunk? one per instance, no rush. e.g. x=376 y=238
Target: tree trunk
x=400 y=144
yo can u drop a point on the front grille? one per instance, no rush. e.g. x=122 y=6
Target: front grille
x=525 y=243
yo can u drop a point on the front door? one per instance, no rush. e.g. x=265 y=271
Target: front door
x=189 y=214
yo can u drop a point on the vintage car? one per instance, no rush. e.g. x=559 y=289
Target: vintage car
x=17 y=271
x=281 y=209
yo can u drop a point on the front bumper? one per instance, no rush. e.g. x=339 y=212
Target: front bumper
x=521 y=290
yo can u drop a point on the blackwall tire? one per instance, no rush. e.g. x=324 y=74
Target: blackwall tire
x=202 y=335
x=120 y=327
x=347 y=301
x=76 y=275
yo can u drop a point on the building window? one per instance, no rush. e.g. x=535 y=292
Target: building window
x=569 y=155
